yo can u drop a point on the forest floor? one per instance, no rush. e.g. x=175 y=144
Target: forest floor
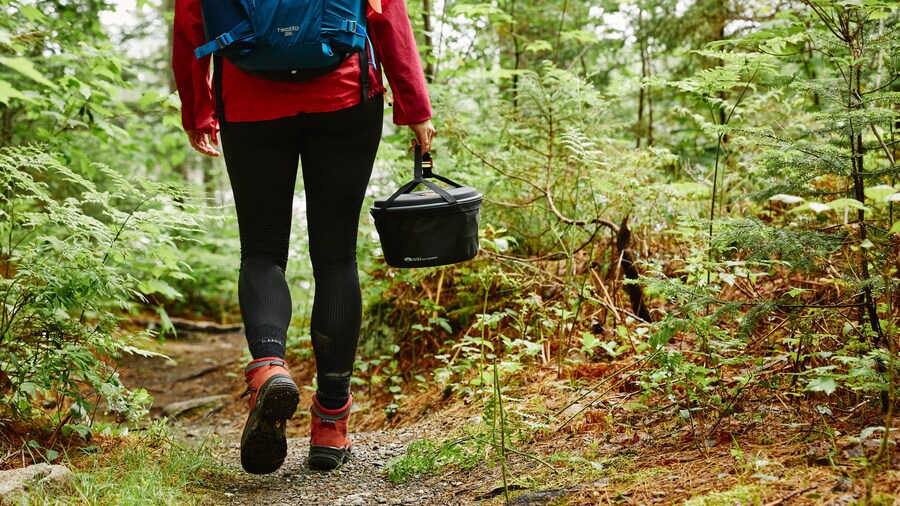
x=205 y=370
x=773 y=453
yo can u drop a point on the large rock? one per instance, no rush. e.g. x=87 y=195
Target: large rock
x=15 y=484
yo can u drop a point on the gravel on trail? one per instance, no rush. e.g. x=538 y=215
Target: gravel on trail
x=201 y=387
x=359 y=482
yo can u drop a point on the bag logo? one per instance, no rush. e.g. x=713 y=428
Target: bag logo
x=288 y=30
x=419 y=259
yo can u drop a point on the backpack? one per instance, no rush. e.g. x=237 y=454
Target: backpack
x=285 y=40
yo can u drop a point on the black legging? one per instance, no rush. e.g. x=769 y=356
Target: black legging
x=336 y=151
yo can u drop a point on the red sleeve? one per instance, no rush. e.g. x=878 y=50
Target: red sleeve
x=192 y=76
x=395 y=47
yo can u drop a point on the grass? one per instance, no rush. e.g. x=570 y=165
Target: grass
x=739 y=494
x=136 y=470
x=426 y=457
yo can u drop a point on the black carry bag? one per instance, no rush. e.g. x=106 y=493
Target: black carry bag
x=436 y=226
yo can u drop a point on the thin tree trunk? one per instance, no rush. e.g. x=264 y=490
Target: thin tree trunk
x=648 y=74
x=427 y=26
x=868 y=312
x=640 y=119
x=167 y=7
x=517 y=58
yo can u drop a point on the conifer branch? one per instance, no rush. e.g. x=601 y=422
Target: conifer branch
x=883 y=87
x=828 y=21
x=498 y=169
x=884 y=147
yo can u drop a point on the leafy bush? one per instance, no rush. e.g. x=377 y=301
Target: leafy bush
x=69 y=267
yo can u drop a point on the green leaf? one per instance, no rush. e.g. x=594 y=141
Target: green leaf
x=868 y=431
x=7 y=92
x=32 y=13
x=894 y=229
x=841 y=204
x=880 y=192
x=159 y=286
x=826 y=384
x=661 y=338
x=134 y=350
x=148 y=99
x=787 y=199
x=25 y=67
x=538 y=46
x=816 y=207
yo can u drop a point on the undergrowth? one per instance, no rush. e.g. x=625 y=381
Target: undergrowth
x=147 y=467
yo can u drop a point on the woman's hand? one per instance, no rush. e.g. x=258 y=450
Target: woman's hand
x=203 y=142
x=424 y=133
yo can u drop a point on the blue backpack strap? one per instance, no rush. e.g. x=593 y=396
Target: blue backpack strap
x=240 y=33
x=356 y=28
x=366 y=56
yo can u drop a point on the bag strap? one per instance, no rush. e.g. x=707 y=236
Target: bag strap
x=427 y=165
x=218 y=70
x=243 y=32
x=422 y=171
x=364 y=75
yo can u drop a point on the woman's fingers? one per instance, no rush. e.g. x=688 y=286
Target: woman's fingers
x=200 y=141
x=424 y=133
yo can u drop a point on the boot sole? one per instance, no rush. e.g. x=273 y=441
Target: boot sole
x=263 y=442
x=327 y=458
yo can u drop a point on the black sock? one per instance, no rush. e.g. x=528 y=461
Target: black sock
x=266 y=341
x=333 y=392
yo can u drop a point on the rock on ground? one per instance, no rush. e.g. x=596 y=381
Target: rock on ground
x=15 y=483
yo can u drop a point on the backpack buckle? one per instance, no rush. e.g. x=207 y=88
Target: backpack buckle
x=224 y=40
x=348 y=25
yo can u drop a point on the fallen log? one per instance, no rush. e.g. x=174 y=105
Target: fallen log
x=192 y=325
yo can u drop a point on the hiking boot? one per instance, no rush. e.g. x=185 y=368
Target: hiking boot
x=328 y=443
x=273 y=400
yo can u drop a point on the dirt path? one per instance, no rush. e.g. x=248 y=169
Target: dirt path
x=206 y=368
x=359 y=482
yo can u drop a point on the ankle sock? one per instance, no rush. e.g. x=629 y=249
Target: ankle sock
x=332 y=392
x=266 y=341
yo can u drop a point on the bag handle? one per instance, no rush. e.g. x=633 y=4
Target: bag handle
x=422 y=171
x=424 y=166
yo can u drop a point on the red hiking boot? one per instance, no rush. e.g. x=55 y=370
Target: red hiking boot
x=273 y=400
x=328 y=443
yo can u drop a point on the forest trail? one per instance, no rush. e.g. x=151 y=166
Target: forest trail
x=199 y=390
x=359 y=482
x=638 y=460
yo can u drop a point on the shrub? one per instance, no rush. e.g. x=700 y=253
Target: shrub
x=69 y=266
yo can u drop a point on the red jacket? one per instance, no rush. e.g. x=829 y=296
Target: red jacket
x=249 y=98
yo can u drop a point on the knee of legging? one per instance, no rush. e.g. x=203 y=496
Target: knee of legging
x=263 y=252
x=256 y=261
x=323 y=262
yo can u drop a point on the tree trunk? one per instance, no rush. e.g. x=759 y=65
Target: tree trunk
x=427 y=26
x=168 y=6
x=640 y=119
x=648 y=74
